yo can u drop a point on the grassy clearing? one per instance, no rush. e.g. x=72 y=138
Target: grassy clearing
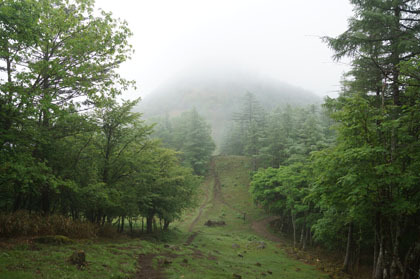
x=214 y=252
x=105 y=260
x=221 y=252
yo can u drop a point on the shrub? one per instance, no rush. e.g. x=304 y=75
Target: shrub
x=23 y=223
x=108 y=231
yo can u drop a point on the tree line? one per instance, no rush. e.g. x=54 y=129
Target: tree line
x=67 y=144
x=360 y=191
x=282 y=136
x=190 y=134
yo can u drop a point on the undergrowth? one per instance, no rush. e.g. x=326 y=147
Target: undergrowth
x=24 y=224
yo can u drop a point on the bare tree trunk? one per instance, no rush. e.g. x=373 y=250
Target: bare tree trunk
x=281 y=223
x=396 y=265
x=154 y=224
x=375 y=254
x=379 y=268
x=130 y=223
x=294 y=230
x=311 y=243
x=122 y=223
x=165 y=224
x=302 y=231
x=346 y=264
x=118 y=224
x=149 y=224
x=356 y=262
x=305 y=239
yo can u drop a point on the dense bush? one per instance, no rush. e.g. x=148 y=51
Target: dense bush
x=22 y=223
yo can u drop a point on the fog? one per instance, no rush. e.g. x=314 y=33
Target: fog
x=271 y=38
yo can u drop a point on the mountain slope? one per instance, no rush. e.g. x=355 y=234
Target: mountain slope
x=217 y=96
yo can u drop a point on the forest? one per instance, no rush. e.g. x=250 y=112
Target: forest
x=68 y=145
x=344 y=175
x=358 y=188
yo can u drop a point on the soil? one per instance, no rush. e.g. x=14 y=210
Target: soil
x=191 y=239
x=217 y=192
x=201 y=209
x=261 y=228
x=146 y=270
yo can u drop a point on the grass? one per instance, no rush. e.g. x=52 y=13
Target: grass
x=215 y=252
x=222 y=254
x=232 y=249
x=105 y=260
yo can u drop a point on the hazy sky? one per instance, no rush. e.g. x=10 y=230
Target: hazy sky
x=274 y=38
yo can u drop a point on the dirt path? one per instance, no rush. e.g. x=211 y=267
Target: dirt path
x=146 y=270
x=261 y=228
x=217 y=192
x=191 y=238
x=200 y=211
x=216 y=195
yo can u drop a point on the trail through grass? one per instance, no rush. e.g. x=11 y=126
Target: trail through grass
x=243 y=248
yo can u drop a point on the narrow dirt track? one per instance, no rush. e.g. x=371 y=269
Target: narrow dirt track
x=261 y=228
x=146 y=270
x=216 y=195
x=202 y=206
x=217 y=192
x=200 y=212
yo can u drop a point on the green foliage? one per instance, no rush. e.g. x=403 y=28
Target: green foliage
x=248 y=129
x=280 y=137
x=369 y=178
x=375 y=148
x=191 y=135
x=67 y=146
x=23 y=223
x=169 y=188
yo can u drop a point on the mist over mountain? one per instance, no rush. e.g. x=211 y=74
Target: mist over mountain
x=218 y=95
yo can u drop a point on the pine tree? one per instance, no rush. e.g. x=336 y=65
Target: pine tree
x=376 y=132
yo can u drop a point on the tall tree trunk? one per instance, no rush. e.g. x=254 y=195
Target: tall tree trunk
x=294 y=229
x=45 y=200
x=122 y=223
x=130 y=223
x=17 y=202
x=154 y=224
x=305 y=239
x=149 y=224
x=310 y=237
x=379 y=268
x=346 y=264
x=118 y=224
x=396 y=265
x=165 y=224
x=375 y=254
x=302 y=232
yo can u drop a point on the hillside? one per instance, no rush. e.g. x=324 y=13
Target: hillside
x=217 y=96
x=242 y=248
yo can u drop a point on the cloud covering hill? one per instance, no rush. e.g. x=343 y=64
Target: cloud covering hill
x=217 y=96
